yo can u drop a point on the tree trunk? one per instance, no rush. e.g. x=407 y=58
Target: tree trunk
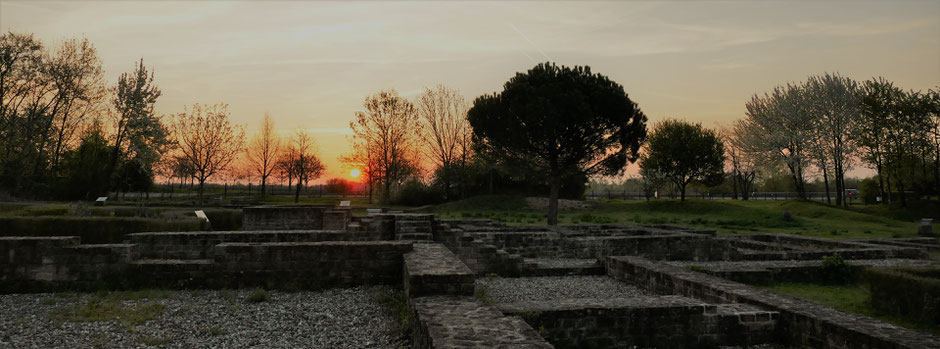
x=734 y=185
x=826 y=180
x=264 y=188
x=840 y=188
x=555 y=187
x=202 y=184
x=297 y=192
x=682 y=192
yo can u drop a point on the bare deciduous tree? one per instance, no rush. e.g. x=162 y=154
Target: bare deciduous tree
x=304 y=161
x=443 y=112
x=263 y=151
x=387 y=131
x=208 y=143
x=744 y=162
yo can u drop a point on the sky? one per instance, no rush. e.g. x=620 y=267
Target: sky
x=310 y=64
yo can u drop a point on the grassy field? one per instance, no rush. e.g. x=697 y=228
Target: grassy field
x=851 y=298
x=725 y=216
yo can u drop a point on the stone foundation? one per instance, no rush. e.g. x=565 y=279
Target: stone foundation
x=464 y=322
x=293 y=217
x=801 y=323
x=431 y=269
x=645 y=322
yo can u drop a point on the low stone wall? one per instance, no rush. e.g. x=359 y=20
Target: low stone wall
x=295 y=217
x=199 y=245
x=645 y=322
x=311 y=265
x=801 y=323
x=912 y=293
x=807 y=248
x=34 y=263
x=52 y=263
x=927 y=243
x=769 y=272
x=464 y=322
x=431 y=269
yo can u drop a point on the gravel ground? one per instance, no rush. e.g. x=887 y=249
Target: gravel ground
x=337 y=318
x=508 y=290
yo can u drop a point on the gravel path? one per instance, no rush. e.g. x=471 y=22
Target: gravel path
x=337 y=318
x=508 y=290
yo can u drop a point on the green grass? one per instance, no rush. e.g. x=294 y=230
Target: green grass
x=851 y=298
x=725 y=216
x=395 y=303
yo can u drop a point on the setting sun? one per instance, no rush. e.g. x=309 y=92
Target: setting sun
x=354 y=173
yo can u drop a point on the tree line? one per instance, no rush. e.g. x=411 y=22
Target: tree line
x=551 y=128
x=66 y=133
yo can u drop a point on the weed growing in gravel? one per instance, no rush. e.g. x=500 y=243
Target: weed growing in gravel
x=482 y=294
x=101 y=341
x=103 y=309
x=396 y=303
x=154 y=340
x=213 y=331
x=137 y=295
x=259 y=295
x=227 y=296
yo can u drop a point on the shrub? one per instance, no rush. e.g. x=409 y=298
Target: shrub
x=869 y=190
x=259 y=295
x=415 y=193
x=908 y=292
x=836 y=270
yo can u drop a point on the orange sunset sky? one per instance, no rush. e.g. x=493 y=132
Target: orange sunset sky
x=311 y=63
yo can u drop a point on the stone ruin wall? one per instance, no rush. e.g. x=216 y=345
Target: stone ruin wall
x=439 y=280
x=296 y=217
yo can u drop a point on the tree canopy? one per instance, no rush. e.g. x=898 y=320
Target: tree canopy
x=684 y=152
x=561 y=121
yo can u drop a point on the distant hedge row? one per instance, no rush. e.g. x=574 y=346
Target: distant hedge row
x=93 y=230
x=910 y=292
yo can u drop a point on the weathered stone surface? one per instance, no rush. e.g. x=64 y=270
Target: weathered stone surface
x=464 y=322
x=801 y=323
x=431 y=269
x=311 y=264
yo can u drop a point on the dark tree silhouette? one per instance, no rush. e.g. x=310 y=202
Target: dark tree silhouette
x=684 y=152
x=562 y=121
